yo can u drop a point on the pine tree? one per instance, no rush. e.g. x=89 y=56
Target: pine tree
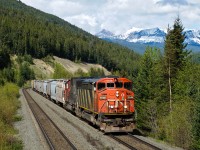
x=4 y=57
x=174 y=56
x=148 y=89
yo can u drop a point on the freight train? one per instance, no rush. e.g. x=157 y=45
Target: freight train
x=107 y=102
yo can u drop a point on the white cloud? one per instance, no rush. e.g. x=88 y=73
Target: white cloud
x=39 y=4
x=83 y=20
x=121 y=15
x=173 y=2
x=63 y=7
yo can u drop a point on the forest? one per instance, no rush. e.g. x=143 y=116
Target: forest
x=166 y=84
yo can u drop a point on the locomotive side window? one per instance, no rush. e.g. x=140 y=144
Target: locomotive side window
x=119 y=84
x=101 y=86
x=110 y=85
x=128 y=85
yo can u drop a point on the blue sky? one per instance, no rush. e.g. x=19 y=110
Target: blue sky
x=118 y=16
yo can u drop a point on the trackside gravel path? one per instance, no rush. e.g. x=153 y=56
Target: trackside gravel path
x=29 y=131
x=82 y=135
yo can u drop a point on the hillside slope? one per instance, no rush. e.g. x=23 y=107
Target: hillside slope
x=43 y=70
x=73 y=67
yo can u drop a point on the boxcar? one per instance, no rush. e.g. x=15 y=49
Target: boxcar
x=40 y=86
x=45 y=87
x=53 y=84
x=37 y=85
x=61 y=87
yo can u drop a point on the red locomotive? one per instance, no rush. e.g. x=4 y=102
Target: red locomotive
x=107 y=102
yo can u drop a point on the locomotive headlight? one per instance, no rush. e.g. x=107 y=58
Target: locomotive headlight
x=130 y=97
x=117 y=93
x=103 y=97
x=111 y=106
x=125 y=107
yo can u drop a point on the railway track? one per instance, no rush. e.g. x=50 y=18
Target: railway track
x=133 y=142
x=53 y=135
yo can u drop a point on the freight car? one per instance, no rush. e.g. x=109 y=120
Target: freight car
x=107 y=102
x=36 y=85
x=49 y=83
x=53 y=90
x=61 y=88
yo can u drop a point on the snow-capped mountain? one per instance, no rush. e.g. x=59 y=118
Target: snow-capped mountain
x=127 y=33
x=105 y=34
x=145 y=36
x=192 y=37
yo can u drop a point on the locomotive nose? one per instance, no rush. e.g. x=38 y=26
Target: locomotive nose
x=120 y=95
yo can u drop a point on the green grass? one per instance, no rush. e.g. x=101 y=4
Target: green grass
x=9 y=104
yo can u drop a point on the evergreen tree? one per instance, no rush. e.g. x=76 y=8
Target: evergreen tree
x=148 y=89
x=192 y=79
x=25 y=73
x=175 y=60
x=174 y=56
x=4 y=57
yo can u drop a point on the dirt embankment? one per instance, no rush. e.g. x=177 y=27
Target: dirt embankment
x=44 y=70
x=73 y=67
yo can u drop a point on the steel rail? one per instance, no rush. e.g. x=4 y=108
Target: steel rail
x=49 y=141
x=136 y=139
x=144 y=142
x=122 y=142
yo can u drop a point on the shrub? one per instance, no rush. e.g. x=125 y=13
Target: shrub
x=8 y=107
x=176 y=128
x=61 y=72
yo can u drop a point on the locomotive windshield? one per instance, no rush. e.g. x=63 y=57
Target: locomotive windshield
x=118 y=84
x=101 y=86
x=110 y=85
x=128 y=85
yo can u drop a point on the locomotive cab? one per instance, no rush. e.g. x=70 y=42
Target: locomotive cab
x=115 y=97
x=115 y=104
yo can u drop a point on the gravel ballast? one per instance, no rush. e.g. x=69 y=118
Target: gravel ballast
x=29 y=131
